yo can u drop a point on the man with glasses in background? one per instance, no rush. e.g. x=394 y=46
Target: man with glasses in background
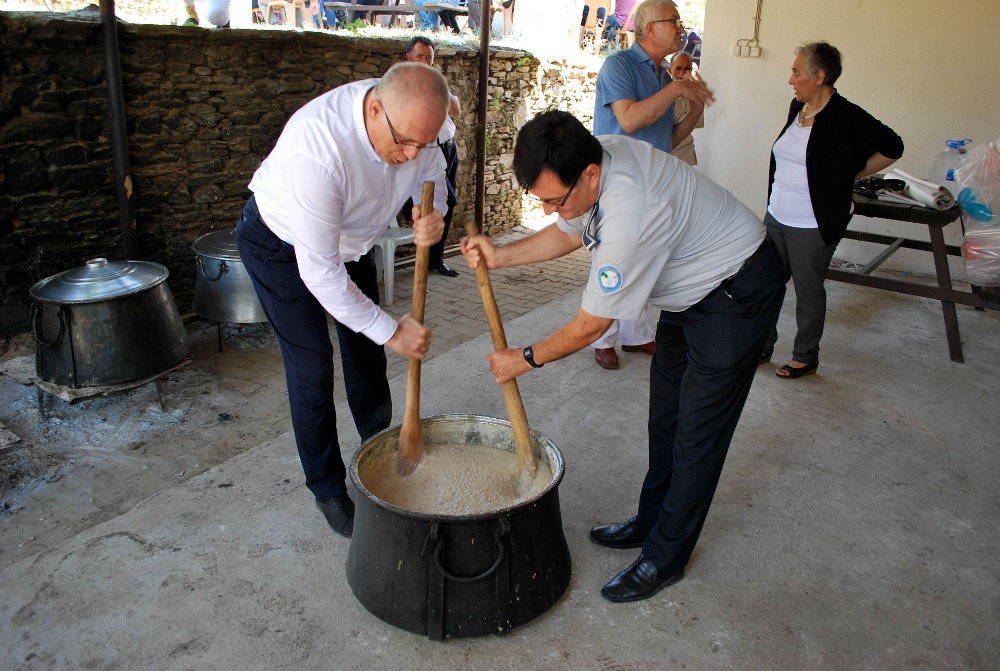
x=421 y=50
x=339 y=173
x=682 y=67
x=658 y=232
x=635 y=96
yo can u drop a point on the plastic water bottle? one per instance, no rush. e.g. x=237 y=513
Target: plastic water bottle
x=943 y=167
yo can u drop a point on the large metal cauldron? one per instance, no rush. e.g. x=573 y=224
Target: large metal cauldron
x=105 y=323
x=223 y=291
x=458 y=576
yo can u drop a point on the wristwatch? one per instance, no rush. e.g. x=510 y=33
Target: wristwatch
x=529 y=356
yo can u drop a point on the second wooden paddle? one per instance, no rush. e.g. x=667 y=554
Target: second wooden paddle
x=411 y=437
x=527 y=461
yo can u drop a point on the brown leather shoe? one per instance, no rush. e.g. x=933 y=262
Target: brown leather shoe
x=606 y=358
x=649 y=348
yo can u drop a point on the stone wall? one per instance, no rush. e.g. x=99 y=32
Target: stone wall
x=203 y=108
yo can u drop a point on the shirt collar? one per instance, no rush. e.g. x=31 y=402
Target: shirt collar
x=642 y=57
x=359 y=126
x=590 y=226
x=640 y=53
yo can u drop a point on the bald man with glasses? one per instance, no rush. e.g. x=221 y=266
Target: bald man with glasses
x=339 y=173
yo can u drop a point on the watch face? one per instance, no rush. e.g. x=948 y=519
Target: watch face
x=529 y=356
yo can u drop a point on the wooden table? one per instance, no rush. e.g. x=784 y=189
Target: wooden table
x=393 y=10
x=935 y=220
x=373 y=10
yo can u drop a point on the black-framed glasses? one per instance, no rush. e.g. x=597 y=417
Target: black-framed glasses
x=678 y=23
x=395 y=138
x=557 y=202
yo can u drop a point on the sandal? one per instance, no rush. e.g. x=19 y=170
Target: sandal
x=791 y=372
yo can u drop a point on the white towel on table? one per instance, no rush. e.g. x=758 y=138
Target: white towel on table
x=918 y=192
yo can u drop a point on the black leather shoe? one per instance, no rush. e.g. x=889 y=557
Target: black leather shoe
x=443 y=268
x=339 y=514
x=639 y=581
x=619 y=536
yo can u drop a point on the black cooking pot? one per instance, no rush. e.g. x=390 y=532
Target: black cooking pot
x=105 y=323
x=452 y=575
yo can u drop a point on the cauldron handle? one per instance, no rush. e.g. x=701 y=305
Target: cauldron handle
x=223 y=269
x=502 y=528
x=36 y=327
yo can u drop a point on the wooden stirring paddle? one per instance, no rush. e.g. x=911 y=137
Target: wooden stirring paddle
x=411 y=435
x=527 y=460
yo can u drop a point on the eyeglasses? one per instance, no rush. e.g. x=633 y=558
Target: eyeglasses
x=557 y=202
x=395 y=138
x=677 y=22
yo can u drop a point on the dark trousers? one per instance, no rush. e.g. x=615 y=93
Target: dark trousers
x=705 y=361
x=362 y=15
x=300 y=323
x=806 y=258
x=451 y=177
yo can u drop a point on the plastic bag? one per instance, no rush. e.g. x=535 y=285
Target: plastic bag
x=979 y=172
x=981 y=252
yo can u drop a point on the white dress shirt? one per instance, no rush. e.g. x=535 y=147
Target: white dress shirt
x=325 y=191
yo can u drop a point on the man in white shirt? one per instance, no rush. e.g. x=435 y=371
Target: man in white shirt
x=662 y=233
x=341 y=169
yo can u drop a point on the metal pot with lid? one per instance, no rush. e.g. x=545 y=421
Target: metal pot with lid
x=106 y=322
x=223 y=291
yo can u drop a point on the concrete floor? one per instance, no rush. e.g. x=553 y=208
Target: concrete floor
x=855 y=527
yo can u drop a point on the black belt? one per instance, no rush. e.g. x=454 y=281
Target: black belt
x=750 y=262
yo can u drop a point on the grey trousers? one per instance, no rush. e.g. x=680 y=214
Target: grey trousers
x=806 y=257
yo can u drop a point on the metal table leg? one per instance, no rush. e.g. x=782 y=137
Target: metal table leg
x=40 y=395
x=944 y=281
x=160 y=395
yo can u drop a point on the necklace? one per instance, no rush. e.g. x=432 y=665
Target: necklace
x=803 y=117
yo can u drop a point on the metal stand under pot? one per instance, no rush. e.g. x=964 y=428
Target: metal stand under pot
x=223 y=290
x=458 y=575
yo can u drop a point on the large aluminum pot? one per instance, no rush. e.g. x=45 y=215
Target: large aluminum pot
x=223 y=291
x=451 y=575
x=105 y=323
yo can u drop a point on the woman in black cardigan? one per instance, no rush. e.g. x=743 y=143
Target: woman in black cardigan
x=827 y=143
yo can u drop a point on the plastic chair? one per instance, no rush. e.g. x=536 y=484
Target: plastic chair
x=385 y=263
x=592 y=32
x=287 y=10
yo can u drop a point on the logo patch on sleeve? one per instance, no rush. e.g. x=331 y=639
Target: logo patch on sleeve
x=610 y=279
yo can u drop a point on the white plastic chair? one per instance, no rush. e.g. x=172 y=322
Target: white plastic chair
x=385 y=263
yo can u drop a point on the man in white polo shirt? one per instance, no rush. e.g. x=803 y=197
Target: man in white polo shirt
x=343 y=166
x=659 y=233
